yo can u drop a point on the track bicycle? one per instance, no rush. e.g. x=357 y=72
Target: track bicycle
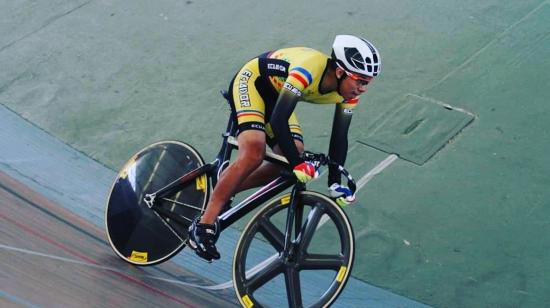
x=299 y=244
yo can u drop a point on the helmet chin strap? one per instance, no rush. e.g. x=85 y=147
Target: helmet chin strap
x=339 y=82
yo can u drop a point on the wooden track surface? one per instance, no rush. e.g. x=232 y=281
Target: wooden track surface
x=50 y=257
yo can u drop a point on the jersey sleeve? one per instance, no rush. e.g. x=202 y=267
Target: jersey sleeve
x=303 y=74
x=338 y=148
x=299 y=78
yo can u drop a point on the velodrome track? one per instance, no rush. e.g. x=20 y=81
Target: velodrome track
x=55 y=252
x=53 y=258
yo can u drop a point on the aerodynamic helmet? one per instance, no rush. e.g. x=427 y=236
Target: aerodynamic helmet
x=356 y=55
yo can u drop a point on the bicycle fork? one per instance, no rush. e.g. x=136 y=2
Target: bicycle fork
x=291 y=219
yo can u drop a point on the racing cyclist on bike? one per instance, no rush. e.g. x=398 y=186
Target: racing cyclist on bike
x=264 y=94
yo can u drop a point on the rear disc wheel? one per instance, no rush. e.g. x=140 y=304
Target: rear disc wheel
x=142 y=235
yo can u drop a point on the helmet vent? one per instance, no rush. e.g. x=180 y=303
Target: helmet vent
x=354 y=58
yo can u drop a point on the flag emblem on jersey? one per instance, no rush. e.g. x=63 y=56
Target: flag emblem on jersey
x=302 y=75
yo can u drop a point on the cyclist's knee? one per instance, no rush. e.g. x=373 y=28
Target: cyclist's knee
x=252 y=156
x=251 y=148
x=299 y=145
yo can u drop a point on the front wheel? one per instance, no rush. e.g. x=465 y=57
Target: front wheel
x=319 y=268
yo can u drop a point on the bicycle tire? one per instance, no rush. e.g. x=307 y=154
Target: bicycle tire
x=259 y=270
x=142 y=235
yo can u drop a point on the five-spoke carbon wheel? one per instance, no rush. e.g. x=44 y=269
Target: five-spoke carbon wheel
x=320 y=259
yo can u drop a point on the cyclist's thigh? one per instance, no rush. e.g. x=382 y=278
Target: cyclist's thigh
x=252 y=144
x=295 y=131
x=299 y=146
x=248 y=103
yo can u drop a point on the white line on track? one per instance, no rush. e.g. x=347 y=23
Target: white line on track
x=376 y=170
x=112 y=269
x=366 y=178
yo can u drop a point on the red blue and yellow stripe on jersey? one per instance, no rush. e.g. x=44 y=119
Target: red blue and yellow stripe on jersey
x=301 y=75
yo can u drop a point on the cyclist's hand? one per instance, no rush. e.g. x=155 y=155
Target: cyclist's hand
x=341 y=194
x=305 y=172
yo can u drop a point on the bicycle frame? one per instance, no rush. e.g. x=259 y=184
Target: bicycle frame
x=214 y=169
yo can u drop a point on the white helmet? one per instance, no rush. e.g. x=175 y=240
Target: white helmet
x=356 y=55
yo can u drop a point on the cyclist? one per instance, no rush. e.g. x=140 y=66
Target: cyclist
x=264 y=94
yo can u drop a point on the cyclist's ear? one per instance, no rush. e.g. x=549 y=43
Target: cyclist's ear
x=339 y=73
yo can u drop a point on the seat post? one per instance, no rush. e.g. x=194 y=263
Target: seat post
x=224 y=154
x=231 y=128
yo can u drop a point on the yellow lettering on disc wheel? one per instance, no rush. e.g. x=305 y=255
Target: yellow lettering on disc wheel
x=247 y=301
x=341 y=273
x=201 y=183
x=138 y=257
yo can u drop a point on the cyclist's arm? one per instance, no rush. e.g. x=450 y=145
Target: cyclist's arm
x=339 y=141
x=286 y=102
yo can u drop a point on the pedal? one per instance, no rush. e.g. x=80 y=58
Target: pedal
x=202 y=258
x=194 y=247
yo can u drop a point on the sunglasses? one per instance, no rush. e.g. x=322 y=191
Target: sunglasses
x=361 y=81
x=358 y=79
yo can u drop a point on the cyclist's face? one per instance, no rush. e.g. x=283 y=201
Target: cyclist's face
x=352 y=86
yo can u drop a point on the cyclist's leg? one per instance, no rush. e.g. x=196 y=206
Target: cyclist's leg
x=250 y=156
x=249 y=108
x=268 y=171
x=204 y=231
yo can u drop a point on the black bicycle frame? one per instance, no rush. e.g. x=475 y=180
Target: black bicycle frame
x=214 y=169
